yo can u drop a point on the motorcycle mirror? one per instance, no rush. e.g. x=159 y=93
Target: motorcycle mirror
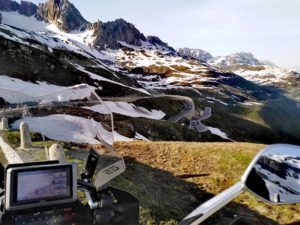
x=274 y=174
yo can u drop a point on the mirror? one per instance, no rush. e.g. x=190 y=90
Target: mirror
x=274 y=175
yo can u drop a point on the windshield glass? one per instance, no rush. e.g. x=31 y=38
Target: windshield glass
x=73 y=119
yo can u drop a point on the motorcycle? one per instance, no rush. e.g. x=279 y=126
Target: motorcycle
x=59 y=171
x=39 y=184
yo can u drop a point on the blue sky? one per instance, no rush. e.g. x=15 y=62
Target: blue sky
x=270 y=29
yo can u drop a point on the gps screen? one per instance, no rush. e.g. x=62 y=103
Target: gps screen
x=43 y=184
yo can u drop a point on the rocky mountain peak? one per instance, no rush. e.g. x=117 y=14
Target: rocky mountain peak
x=24 y=8
x=115 y=34
x=8 y=5
x=62 y=13
x=27 y=8
x=111 y=33
x=157 y=42
x=236 y=58
x=198 y=54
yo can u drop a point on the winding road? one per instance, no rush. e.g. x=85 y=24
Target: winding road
x=188 y=111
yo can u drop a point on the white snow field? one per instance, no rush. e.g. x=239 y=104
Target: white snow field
x=268 y=75
x=128 y=109
x=32 y=24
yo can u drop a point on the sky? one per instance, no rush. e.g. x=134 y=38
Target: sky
x=270 y=29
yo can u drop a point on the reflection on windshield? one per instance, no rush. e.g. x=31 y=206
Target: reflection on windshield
x=66 y=118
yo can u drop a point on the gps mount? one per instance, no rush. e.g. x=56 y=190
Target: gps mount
x=105 y=206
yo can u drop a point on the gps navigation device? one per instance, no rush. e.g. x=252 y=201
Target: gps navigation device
x=40 y=185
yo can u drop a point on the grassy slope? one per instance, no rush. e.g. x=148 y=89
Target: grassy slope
x=154 y=171
x=169 y=106
x=275 y=121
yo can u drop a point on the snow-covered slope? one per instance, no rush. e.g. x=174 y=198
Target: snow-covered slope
x=261 y=72
x=47 y=34
x=268 y=75
x=236 y=58
x=245 y=64
x=156 y=67
x=151 y=62
x=47 y=38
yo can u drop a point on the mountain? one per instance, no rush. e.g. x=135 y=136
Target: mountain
x=63 y=14
x=114 y=34
x=222 y=61
x=236 y=58
x=116 y=47
x=245 y=64
x=262 y=72
x=198 y=54
x=24 y=8
x=268 y=75
x=119 y=61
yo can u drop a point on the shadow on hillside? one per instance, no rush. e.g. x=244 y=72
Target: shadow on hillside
x=169 y=197
x=283 y=117
x=241 y=130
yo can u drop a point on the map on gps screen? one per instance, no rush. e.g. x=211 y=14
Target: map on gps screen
x=42 y=184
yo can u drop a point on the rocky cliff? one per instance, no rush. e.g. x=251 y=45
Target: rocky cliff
x=114 y=34
x=24 y=8
x=198 y=54
x=157 y=42
x=62 y=13
x=8 y=5
x=27 y=8
x=111 y=33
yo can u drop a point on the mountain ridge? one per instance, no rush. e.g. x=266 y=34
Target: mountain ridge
x=245 y=64
x=67 y=18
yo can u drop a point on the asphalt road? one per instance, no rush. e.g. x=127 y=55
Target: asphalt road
x=189 y=108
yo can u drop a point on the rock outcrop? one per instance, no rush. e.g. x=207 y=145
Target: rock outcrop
x=8 y=5
x=27 y=8
x=198 y=54
x=157 y=42
x=109 y=34
x=115 y=33
x=236 y=58
x=0 y=18
x=24 y=8
x=62 y=13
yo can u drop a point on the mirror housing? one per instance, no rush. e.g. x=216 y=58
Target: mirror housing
x=274 y=175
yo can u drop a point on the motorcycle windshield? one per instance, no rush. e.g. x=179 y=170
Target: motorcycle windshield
x=67 y=123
